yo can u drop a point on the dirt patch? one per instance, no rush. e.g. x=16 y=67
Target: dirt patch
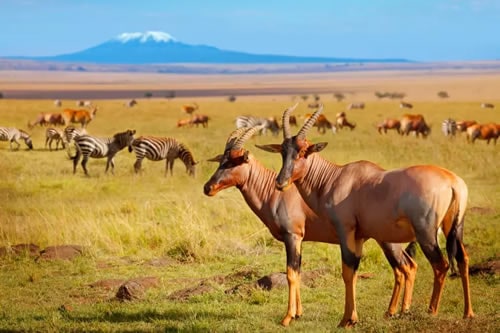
x=135 y=289
x=185 y=294
x=489 y=267
x=63 y=252
x=31 y=250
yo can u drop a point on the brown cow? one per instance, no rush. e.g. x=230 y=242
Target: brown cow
x=483 y=132
x=79 y=116
x=389 y=124
x=414 y=123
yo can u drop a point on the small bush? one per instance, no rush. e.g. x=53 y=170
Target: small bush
x=443 y=94
x=231 y=98
x=170 y=94
x=148 y=94
x=339 y=96
x=304 y=97
x=1 y=95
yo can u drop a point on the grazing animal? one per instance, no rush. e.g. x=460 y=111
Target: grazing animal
x=290 y=220
x=449 y=127
x=71 y=132
x=161 y=148
x=293 y=121
x=463 y=125
x=83 y=117
x=47 y=119
x=52 y=134
x=198 y=119
x=389 y=124
x=186 y=122
x=487 y=105
x=364 y=201
x=313 y=105
x=414 y=123
x=323 y=124
x=13 y=135
x=341 y=120
x=483 y=132
x=189 y=109
x=264 y=123
x=58 y=103
x=404 y=105
x=131 y=103
x=89 y=146
x=79 y=103
x=360 y=105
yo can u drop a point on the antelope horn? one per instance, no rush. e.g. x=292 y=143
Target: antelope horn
x=234 y=136
x=245 y=136
x=309 y=123
x=286 y=122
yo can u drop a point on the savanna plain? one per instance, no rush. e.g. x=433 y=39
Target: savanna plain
x=207 y=252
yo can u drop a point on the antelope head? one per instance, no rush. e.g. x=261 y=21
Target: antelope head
x=233 y=163
x=294 y=150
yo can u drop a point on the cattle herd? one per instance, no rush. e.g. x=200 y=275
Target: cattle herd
x=322 y=202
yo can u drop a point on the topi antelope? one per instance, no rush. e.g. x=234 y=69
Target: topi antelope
x=414 y=123
x=389 y=124
x=290 y=220
x=364 y=201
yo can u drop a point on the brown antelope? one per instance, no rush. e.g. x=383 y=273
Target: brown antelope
x=47 y=119
x=464 y=124
x=186 y=122
x=487 y=105
x=291 y=221
x=293 y=121
x=189 y=109
x=414 y=123
x=84 y=117
x=323 y=124
x=200 y=119
x=360 y=105
x=483 y=132
x=364 y=201
x=404 y=105
x=389 y=124
x=341 y=120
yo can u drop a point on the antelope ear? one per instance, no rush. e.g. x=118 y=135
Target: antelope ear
x=217 y=158
x=272 y=148
x=317 y=147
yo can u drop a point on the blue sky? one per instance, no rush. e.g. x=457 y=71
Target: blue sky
x=422 y=30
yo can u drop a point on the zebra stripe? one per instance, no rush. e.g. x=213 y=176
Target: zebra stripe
x=52 y=134
x=89 y=146
x=449 y=127
x=161 y=148
x=251 y=121
x=12 y=134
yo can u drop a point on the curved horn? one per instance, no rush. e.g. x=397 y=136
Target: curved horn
x=309 y=123
x=245 y=136
x=286 y=122
x=234 y=136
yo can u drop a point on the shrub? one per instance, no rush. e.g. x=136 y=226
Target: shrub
x=339 y=96
x=443 y=94
x=170 y=94
x=1 y=95
x=304 y=97
x=231 y=98
x=148 y=94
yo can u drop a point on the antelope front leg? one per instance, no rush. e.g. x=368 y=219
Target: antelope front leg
x=351 y=255
x=293 y=245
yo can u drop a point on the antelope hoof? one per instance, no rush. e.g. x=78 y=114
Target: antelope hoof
x=469 y=315
x=286 y=321
x=389 y=315
x=347 y=323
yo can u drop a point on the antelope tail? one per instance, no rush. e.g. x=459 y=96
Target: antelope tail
x=455 y=234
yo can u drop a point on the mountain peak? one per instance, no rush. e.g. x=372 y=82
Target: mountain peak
x=143 y=37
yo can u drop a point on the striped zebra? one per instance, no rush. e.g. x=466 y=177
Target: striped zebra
x=89 y=146
x=449 y=127
x=161 y=148
x=266 y=123
x=52 y=134
x=12 y=134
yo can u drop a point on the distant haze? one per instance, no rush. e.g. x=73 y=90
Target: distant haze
x=426 y=30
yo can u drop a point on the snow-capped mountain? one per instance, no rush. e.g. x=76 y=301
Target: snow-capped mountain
x=156 y=47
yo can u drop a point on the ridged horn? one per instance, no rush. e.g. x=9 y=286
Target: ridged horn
x=286 y=121
x=245 y=136
x=234 y=136
x=309 y=123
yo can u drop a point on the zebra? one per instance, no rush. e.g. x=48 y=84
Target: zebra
x=89 y=146
x=57 y=102
x=12 y=134
x=52 y=134
x=160 y=148
x=449 y=127
x=266 y=123
x=359 y=105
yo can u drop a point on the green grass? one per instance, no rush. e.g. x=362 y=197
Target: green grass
x=126 y=220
